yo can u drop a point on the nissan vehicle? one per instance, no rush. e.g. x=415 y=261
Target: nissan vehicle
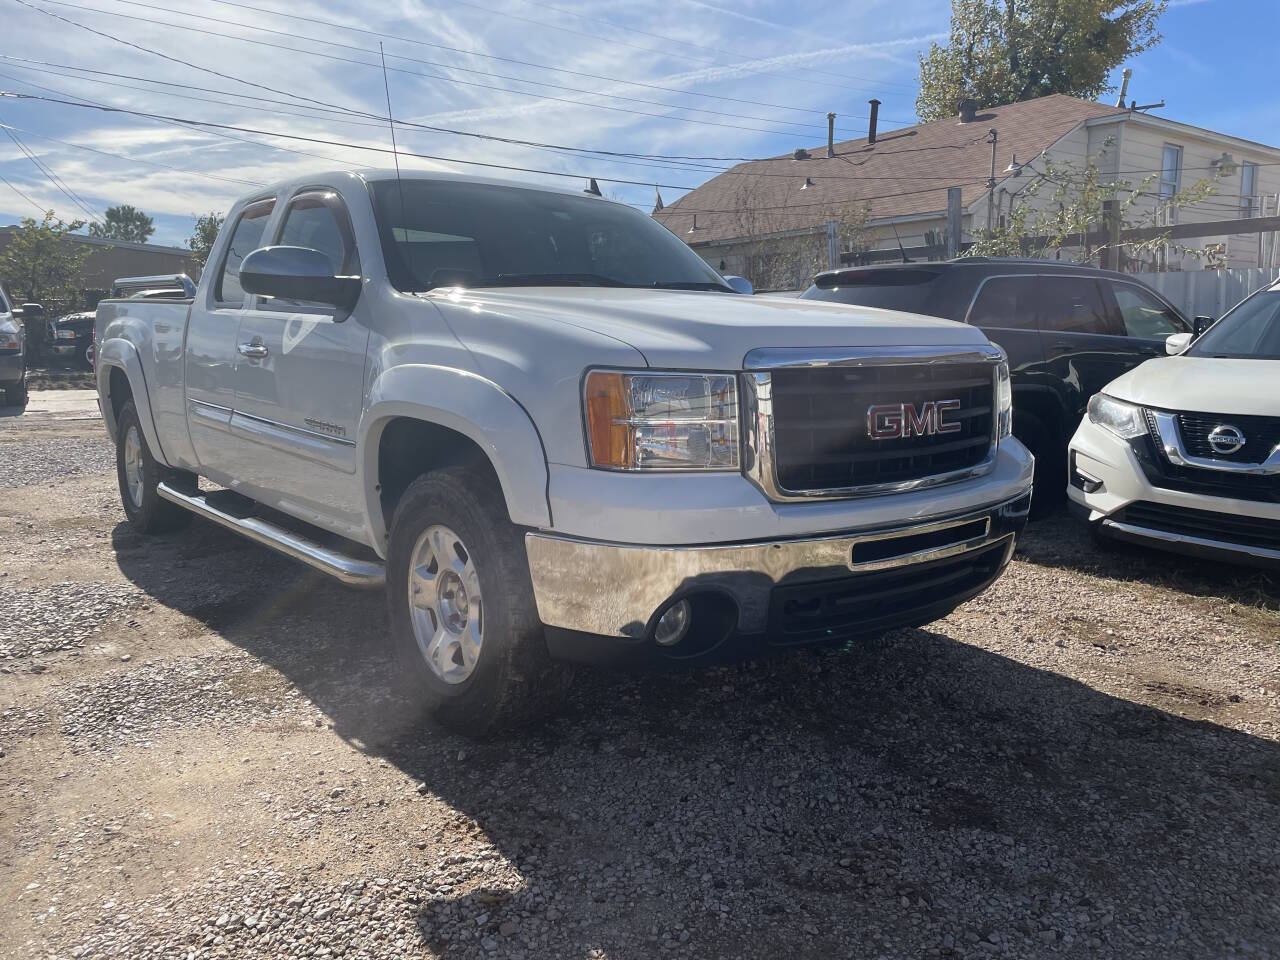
x=554 y=434
x=1068 y=329
x=1184 y=452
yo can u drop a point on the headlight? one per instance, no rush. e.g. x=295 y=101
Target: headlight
x=1123 y=419
x=1004 y=401
x=662 y=421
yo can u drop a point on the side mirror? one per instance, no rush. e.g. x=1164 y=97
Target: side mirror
x=1200 y=324
x=740 y=285
x=1177 y=343
x=297 y=273
x=30 y=310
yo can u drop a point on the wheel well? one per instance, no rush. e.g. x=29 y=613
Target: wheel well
x=409 y=448
x=1045 y=409
x=120 y=393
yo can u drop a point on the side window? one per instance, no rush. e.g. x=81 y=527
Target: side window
x=1143 y=314
x=1007 y=303
x=1071 y=305
x=319 y=220
x=246 y=238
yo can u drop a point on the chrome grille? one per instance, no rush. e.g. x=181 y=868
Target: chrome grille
x=811 y=425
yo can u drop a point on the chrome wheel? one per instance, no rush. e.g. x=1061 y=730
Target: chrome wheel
x=444 y=604
x=133 y=465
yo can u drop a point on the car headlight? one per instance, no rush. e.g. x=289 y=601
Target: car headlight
x=661 y=421
x=1125 y=420
x=1004 y=401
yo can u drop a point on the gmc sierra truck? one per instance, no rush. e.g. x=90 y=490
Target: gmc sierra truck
x=555 y=435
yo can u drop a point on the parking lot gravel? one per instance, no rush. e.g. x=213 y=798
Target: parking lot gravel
x=202 y=754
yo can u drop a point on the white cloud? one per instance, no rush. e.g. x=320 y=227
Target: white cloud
x=784 y=60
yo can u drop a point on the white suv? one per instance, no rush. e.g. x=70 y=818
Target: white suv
x=1184 y=451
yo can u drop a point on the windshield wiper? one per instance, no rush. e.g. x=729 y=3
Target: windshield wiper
x=548 y=280
x=691 y=285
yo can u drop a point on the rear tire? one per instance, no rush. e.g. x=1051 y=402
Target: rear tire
x=1050 y=476
x=139 y=475
x=476 y=665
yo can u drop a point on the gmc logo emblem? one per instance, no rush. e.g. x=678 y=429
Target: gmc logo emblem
x=895 y=421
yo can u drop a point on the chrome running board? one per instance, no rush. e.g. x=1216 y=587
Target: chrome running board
x=349 y=570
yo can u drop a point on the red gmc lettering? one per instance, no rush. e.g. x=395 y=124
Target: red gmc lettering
x=893 y=421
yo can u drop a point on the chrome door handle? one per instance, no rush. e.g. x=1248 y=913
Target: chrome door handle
x=255 y=349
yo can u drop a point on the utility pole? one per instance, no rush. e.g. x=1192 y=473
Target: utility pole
x=953 y=222
x=991 y=182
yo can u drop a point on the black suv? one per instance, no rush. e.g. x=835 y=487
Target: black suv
x=1068 y=330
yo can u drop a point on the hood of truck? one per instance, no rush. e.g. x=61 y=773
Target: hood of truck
x=1202 y=385
x=705 y=330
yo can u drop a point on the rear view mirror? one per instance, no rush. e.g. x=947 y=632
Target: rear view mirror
x=297 y=273
x=1200 y=324
x=740 y=285
x=1177 y=343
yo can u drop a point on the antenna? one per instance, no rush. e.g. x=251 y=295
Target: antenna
x=404 y=220
x=905 y=258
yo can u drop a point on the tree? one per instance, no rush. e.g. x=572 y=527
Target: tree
x=1005 y=51
x=43 y=265
x=1075 y=207
x=781 y=248
x=123 y=223
x=202 y=237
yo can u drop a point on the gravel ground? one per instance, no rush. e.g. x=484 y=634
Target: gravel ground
x=200 y=756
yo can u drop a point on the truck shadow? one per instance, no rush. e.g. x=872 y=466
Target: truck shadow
x=905 y=795
x=1059 y=541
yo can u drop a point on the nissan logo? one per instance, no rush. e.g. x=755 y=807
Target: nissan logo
x=1226 y=439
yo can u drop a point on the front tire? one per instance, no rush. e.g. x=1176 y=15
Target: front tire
x=139 y=475
x=15 y=395
x=465 y=629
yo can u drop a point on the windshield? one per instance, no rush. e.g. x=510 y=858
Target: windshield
x=450 y=233
x=1249 y=332
x=4 y=301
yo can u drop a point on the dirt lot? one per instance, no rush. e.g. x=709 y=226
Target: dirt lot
x=199 y=756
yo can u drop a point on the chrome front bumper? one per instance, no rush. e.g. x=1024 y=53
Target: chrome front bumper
x=617 y=590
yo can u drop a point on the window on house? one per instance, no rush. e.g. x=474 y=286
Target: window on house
x=1248 y=190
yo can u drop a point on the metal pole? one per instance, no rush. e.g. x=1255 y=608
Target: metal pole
x=991 y=182
x=953 y=222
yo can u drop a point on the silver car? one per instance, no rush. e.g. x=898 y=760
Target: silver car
x=13 y=354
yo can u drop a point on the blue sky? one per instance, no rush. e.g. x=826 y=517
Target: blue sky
x=480 y=66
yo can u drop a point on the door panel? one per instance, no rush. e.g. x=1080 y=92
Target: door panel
x=299 y=383
x=209 y=357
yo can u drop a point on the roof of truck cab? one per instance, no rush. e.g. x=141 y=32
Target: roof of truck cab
x=373 y=174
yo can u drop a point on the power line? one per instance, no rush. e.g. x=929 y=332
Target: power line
x=412 y=73
x=42 y=210
x=187 y=127
x=425 y=156
x=341 y=143
x=53 y=177
x=121 y=156
x=470 y=53
x=690 y=167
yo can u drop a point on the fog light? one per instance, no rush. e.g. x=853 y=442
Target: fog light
x=673 y=625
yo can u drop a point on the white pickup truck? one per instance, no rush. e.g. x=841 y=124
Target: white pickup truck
x=556 y=435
